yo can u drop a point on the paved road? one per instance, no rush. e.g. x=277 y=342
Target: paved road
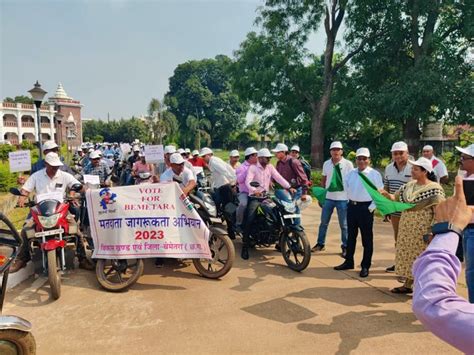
x=260 y=307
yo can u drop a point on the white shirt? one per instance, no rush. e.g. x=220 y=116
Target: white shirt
x=41 y=183
x=186 y=175
x=440 y=169
x=221 y=172
x=356 y=190
x=328 y=168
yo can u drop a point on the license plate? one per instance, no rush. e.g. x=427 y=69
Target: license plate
x=51 y=232
x=287 y=216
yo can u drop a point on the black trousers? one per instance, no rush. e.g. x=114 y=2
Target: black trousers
x=250 y=216
x=360 y=218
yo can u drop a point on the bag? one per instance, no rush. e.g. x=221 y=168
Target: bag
x=306 y=167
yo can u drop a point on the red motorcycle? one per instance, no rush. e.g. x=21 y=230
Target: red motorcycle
x=50 y=229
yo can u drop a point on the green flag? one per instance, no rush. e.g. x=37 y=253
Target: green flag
x=384 y=205
x=335 y=185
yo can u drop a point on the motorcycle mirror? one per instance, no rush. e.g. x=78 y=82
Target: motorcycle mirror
x=255 y=184
x=76 y=187
x=15 y=191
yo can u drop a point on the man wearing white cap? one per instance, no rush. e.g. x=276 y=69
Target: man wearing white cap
x=467 y=168
x=360 y=212
x=397 y=173
x=162 y=166
x=223 y=177
x=47 y=180
x=48 y=147
x=439 y=168
x=234 y=159
x=98 y=167
x=295 y=153
x=241 y=173
x=177 y=169
x=263 y=172
x=197 y=161
x=337 y=200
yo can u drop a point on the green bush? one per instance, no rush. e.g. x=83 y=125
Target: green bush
x=4 y=150
x=451 y=160
x=316 y=177
x=7 y=179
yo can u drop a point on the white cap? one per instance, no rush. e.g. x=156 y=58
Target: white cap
x=399 y=147
x=424 y=163
x=234 y=153
x=295 y=148
x=363 y=152
x=469 y=150
x=94 y=155
x=136 y=148
x=176 y=158
x=250 y=151
x=90 y=150
x=264 y=152
x=428 y=147
x=279 y=148
x=187 y=150
x=195 y=152
x=205 y=151
x=49 y=145
x=335 y=145
x=170 y=149
x=180 y=151
x=53 y=159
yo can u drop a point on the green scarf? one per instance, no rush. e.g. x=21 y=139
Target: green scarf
x=335 y=185
x=384 y=205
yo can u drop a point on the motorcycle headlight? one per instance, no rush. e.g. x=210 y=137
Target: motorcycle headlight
x=211 y=208
x=49 y=222
x=289 y=206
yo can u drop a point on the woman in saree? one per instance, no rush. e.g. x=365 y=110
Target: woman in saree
x=424 y=193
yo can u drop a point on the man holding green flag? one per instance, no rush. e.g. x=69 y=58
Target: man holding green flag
x=332 y=195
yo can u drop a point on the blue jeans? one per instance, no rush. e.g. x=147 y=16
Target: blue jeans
x=468 y=244
x=328 y=208
x=285 y=196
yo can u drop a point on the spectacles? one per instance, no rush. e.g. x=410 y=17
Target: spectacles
x=462 y=158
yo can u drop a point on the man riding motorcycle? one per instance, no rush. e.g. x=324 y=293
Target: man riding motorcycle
x=178 y=169
x=47 y=180
x=263 y=172
x=98 y=167
x=241 y=172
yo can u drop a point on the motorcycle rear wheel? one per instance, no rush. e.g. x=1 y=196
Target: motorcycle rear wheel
x=17 y=342
x=53 y=276
x=117 y=275
x=296 y=250
x=223 y=255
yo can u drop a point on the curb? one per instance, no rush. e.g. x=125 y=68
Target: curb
x=20 y=276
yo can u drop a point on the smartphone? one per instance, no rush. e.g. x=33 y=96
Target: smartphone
x=469 y=191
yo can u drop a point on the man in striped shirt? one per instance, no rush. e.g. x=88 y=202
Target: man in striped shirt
x=397 y=173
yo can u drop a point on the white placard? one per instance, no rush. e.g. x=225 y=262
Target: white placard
x=154 y=153
x=19 y=161
x=125 y=148
x=56 y=195
x=92 y=179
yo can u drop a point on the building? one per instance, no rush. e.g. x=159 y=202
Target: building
x=60 y=120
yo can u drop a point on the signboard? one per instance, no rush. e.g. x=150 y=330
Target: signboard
x=154 y=153
x=91 y=179
x=125 y=148
x=19 y=161
x=145 y=221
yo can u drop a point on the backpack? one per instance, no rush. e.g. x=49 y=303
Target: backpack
x=306 y=167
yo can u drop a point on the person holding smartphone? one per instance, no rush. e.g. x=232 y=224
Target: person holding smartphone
x=467 y=166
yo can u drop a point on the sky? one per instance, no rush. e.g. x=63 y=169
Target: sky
x=115 y=55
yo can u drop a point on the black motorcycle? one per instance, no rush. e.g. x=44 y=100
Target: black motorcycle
x=275 y=223
x=15 y=332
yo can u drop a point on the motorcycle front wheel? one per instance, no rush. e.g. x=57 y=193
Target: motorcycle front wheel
x=296 y=250
x=53 y=275
x=17 y=342
x=117 y=275
x=223 y=255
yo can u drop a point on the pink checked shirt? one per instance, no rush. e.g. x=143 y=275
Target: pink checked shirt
x=241 y=173
x=264 y=176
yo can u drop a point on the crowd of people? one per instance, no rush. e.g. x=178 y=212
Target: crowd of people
x=416 y=182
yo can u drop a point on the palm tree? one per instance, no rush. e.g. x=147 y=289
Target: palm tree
x=198 y=128
x=161 y=122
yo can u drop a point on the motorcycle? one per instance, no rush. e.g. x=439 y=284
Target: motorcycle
x=50 y=229
x=15 y=332
x=275 y=222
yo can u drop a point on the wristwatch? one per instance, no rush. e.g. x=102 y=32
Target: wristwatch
x=445 y=227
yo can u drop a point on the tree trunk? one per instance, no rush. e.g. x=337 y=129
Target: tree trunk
x=411 y=132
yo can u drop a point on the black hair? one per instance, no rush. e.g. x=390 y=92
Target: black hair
x=430 y=175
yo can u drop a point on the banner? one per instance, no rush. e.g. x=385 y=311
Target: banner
x=154 y=153
x=145 y=221
x=19 y=161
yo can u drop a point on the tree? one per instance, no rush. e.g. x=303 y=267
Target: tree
x=198 y=128
x=202 y=89
x=21 y=99
x=161 y=122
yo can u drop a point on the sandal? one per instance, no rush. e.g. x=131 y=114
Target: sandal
x=401 y=290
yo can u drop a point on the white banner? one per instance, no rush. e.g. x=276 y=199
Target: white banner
x=141 y=221
x=154 y=153
x=19 y=161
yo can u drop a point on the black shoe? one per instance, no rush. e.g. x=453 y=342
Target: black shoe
x=159 y=262
x=344 y=266
x=277 y=247
x=390 y=269
x=364 y=272
x=244 y=254
x=343 y=252
x=318 y=247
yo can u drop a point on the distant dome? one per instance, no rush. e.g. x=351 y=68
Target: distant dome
x=61 y=93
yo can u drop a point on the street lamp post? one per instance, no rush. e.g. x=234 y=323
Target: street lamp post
x=37 y=93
